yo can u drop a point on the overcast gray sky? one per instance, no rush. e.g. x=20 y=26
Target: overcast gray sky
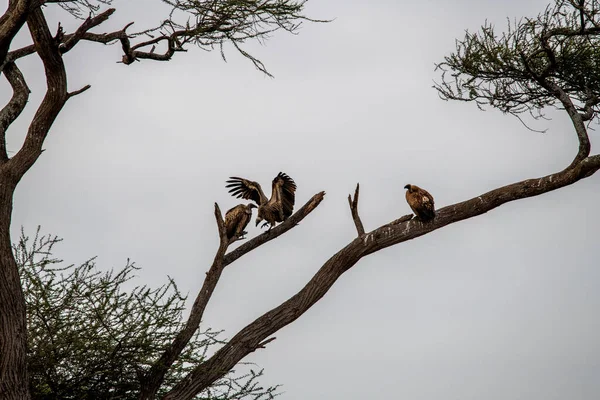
x=502 y=306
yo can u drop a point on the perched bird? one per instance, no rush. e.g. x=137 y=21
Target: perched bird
x=421 y=202
x=276 y=209
x=236 y=219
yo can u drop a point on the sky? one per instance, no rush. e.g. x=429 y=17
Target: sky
x=501 y=306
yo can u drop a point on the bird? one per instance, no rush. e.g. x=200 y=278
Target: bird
x=276 y=209
x=236 y=220
x=421 y=202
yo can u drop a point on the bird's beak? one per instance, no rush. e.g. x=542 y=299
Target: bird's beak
x=407 y=187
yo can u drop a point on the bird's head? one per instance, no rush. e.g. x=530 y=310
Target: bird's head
x=409 y=187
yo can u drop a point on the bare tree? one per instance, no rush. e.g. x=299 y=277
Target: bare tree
x=547 y=61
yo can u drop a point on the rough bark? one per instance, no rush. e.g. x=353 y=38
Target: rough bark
x=13 y=330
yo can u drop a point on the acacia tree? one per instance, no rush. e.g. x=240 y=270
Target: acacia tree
x=90 y=338
x=547 y=61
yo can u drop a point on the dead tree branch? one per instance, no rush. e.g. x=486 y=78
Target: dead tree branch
x=353 y=203
x=206 y=24
x=250 y=338
x=156 y=375
x=70 y=41
x=277 y=231
x=66 y=42
x=78 y=91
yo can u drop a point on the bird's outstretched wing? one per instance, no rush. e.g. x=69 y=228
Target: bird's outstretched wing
x=245 y=189
x=284 y=190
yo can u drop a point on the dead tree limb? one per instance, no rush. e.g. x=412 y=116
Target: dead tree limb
x=155 y=377
x=250 y=338
x=353 y=203
x=277 y=231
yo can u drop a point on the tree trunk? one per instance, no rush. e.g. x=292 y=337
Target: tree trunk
x=13 y=323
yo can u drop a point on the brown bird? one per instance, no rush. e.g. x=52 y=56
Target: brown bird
x=236 y=219
x=276 y=209
x=421 y=202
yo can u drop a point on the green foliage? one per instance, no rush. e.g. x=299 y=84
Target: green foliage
x=90 y=337
x=520 y=69
x=209 y=24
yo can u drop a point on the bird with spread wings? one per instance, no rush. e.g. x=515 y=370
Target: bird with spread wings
x=271 y=210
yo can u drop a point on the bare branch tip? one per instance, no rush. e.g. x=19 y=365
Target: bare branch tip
x=76 y=92
x=356 y=191
x=220 y=222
